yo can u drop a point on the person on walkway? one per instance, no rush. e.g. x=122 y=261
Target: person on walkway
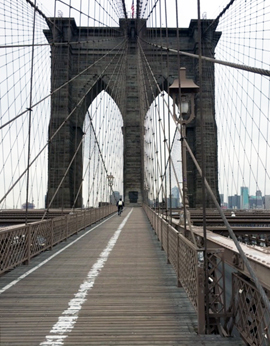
x=120 y=205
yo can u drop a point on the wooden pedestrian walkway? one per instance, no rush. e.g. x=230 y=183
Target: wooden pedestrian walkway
x=108 y=285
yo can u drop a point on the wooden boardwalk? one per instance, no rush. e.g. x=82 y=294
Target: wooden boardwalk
x=111 y=287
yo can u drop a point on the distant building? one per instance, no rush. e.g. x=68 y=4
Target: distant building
x=29 y=205
x=221 y=197
x=267 y=202
x=234 y=202
x=225 y=205
x=115 y=197
x=175 y=192
x=245 y=201
x=174 y=201
x=244 y=198
x=256 y=202
x=176 y=197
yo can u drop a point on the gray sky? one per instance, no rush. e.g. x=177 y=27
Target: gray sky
x=209 y=8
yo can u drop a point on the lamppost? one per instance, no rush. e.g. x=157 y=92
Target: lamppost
x=110 y=183
x=182 y=93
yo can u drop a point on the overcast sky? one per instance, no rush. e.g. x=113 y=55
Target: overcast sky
x=209 y=8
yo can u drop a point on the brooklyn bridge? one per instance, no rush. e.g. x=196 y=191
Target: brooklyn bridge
x=152 y=103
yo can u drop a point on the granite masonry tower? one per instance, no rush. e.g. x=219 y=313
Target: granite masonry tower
x=75 y=49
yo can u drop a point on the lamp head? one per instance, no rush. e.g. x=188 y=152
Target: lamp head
x=110 y=179
x=183 y=95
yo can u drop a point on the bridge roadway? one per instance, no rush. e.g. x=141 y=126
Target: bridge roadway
x=108 y=285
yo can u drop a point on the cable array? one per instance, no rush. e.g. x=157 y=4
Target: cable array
x=241 y=93
x=24 y=46
x=163 y=175
x=17 y=28
x=242 y=98
x=242 y=102
x=163 y=161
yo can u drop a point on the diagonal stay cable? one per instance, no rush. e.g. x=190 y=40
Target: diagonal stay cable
x=124 y=8
x=215 y=61
x=215 y=21
x=48 y=20
x=152 y=9
x=55 y=44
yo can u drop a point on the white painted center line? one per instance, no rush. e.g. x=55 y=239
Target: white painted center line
x=68 y=319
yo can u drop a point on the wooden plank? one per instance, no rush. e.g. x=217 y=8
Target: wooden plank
x=134 y=300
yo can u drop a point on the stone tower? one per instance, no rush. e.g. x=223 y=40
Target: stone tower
x=73 y=51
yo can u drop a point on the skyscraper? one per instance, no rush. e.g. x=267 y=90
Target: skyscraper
x=234 y=202
x=176 y=194
x=244 y=202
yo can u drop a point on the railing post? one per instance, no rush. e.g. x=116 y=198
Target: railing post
x=51 y=232
x=67 y=218
x=168 y=244
x=177 y=264
x=158 y=227
x=200 y=294
x=161 y=234
x=29 y=232
x=154 y=222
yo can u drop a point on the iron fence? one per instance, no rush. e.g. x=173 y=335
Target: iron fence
x=245 y=309
x=250 y=315
x=186 y=259
x=19 y=244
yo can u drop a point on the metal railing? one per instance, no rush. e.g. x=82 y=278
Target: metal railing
x=244 y=310
x=250 y=315
x=186 y=259
x=19 y=244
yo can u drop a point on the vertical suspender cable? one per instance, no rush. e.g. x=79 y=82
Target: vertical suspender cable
x=169 y=120
x=184 y=173
x=30 y=115
x=203 y=166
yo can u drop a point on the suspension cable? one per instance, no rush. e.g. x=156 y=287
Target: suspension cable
x=215 y=61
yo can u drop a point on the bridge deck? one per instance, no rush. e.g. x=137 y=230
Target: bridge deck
x=132 y=298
